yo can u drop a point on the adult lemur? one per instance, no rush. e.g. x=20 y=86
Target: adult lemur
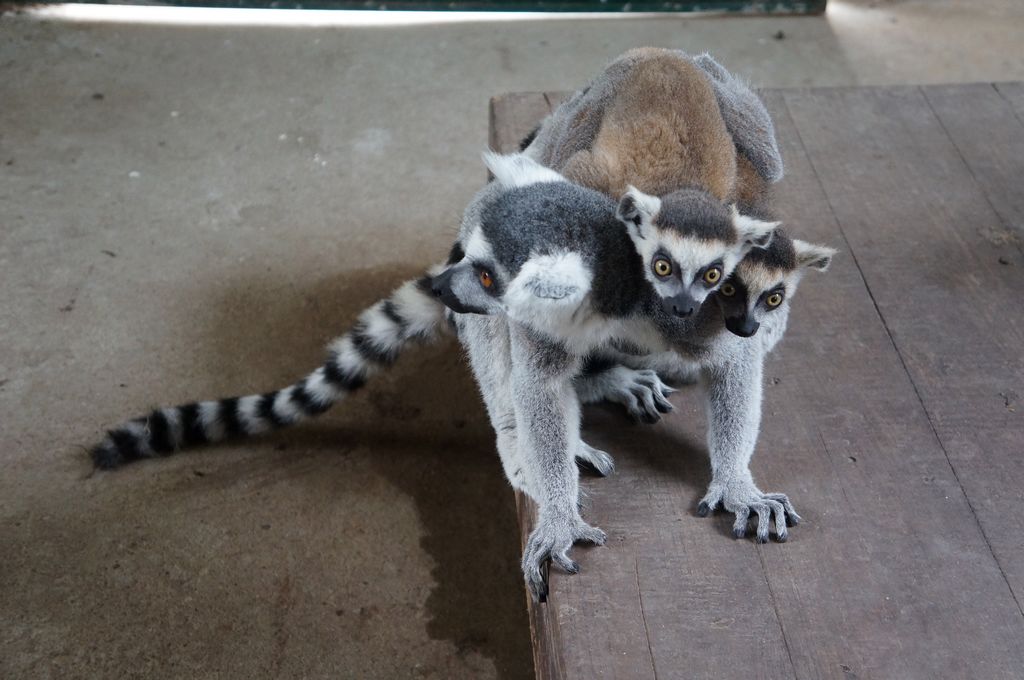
x=657 y=129
x=645 y=124
x=551 y=264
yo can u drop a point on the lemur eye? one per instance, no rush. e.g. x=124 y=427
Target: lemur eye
x=662 y=267
x=728 y=290
x=712 y=275
x=774 y=300
x=485 y=278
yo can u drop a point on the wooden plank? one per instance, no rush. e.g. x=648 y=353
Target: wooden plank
x=629 y=614
x=1013 y=93
x=989 y=137
x=915 y=221
x=891 y=564
x=513 y=116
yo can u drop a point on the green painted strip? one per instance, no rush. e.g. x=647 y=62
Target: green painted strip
x=744 y=6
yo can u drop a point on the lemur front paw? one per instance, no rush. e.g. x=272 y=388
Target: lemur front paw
x=552 y=539
x=594 y=460
x=641 y=391
x=741 y=497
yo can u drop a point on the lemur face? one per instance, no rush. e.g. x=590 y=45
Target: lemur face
x=520 y=248
x=473 y=282
x=766 y=279
x=690 y=243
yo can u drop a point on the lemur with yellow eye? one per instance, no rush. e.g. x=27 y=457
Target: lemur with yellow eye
x=644 y=126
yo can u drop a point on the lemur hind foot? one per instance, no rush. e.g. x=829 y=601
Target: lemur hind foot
x=742 y=498
x=551 y=539
x=640 y=391
x=594 y=460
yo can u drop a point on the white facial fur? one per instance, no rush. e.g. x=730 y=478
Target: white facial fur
x=477 y=247
x=759 y=279
x=690 y=255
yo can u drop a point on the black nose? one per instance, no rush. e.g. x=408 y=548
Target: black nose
x=441 y=284
x=681 y=305
x=743 y=326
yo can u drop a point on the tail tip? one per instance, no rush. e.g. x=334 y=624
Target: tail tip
x=106 y=455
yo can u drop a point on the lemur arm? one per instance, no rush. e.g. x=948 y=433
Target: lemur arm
x=548 y=430
x=486 y=339
x=733 y=385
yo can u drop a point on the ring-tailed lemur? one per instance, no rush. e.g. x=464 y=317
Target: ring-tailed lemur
x=544 y=409
x=494 y=347
x=548 y=276
x=722 y=349
x=410 y=315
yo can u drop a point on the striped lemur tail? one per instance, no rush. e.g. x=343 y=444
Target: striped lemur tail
x=410 y=314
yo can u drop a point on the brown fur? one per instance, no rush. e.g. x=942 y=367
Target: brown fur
x=753 y=193
x=662 y=130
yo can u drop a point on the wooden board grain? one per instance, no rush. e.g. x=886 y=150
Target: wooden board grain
x=930 y=241
x=879 y=422
x=986 y=131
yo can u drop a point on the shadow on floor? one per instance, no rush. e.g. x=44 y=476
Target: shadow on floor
x=429 y=437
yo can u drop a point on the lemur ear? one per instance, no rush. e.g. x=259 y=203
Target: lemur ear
x=752 y=231
x=517 y=170
x=813 y=256
x=636 y=208
x=561 y=279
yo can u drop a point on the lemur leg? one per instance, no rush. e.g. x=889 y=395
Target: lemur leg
x=639 y=390
x=486 y=339
x=548 y=427
x=734 y=417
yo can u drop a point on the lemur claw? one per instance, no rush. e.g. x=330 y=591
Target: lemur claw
x=742 y=498
x=551 y=541
x=642 y=392
x=594 y=460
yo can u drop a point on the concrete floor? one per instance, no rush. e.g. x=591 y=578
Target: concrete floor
x=193 y=212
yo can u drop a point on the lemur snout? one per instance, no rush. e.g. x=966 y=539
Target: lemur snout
x=681 y=305
x=441 y=284
x=441 y=287
x=743 y=326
